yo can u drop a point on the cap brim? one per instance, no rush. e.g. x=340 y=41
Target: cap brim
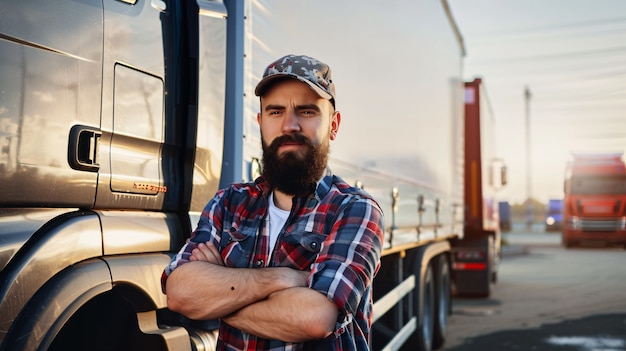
x=262 y=86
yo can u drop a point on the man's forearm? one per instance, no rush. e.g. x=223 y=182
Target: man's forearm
x=291 y=315
x=202 y=290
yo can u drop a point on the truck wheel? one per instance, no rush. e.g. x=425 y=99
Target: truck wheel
x=443 y=302
x=422 y=339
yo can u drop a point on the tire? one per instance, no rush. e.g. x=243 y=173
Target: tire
x=426 y=311
x=443 y=301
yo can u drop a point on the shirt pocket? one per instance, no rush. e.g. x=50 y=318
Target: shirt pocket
x=300 y=249
x=237 y=251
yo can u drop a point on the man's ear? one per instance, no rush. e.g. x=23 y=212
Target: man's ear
x=258 y=118
x=334 y=124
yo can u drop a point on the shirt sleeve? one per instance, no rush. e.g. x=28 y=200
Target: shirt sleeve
x=209 y=229
x=350 y=255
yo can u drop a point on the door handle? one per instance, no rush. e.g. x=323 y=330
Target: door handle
x=82 y=152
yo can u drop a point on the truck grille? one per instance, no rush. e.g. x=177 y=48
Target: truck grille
x=595 y=225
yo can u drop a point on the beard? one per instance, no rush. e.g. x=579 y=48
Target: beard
x=290 y=172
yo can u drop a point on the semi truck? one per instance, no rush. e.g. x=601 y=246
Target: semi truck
x=119 y=119
x=594 y=203
x=554 y=215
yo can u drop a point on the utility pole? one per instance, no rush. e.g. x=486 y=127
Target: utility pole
x=529 y=197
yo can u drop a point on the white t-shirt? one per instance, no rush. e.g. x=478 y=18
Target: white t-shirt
x=277 y=219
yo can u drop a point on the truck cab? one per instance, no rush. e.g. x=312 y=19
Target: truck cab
x=594 y=207
x=100 y=165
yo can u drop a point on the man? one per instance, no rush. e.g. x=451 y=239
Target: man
x=286 y=262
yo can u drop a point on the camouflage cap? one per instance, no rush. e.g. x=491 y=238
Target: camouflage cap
x=304 y=68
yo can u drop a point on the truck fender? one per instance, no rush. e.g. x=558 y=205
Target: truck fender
x=138 y=277
x=62 y=242
x=55 y=303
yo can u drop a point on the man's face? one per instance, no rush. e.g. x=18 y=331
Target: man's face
x=296 y=128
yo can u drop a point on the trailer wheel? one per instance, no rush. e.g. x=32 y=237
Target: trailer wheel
x=422 y=339
x=443 y=302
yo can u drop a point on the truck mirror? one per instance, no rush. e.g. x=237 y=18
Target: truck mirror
x=255 y=169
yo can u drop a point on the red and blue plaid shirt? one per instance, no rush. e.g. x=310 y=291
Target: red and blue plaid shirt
x=336 y=232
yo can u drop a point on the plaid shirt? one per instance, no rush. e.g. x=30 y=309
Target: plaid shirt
x=336 y=232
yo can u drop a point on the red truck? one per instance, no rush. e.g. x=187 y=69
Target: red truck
x=594 y=206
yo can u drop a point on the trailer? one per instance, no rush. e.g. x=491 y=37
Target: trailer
x=477 y=255
x=119 y=119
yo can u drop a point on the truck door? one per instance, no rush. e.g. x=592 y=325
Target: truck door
x=50 y=91
x=131 y=145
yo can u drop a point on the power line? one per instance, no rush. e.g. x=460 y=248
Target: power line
x=570 y=54
x=527 y=30
x=534 y=38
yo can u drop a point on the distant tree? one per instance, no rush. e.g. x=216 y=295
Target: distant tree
x=518 y=211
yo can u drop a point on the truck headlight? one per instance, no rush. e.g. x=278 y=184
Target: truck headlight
x=575 y=223
x=550 y=220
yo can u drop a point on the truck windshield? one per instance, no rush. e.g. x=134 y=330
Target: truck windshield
x=595 y=184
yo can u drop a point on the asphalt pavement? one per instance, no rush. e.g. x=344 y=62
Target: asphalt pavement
x=570 y=335
x=598 y=332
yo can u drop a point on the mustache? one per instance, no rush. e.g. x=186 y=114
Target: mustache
x=290 y=138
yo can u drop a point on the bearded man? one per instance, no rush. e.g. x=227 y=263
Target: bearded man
x=285 y=262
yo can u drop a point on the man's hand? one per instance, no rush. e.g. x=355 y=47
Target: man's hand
x=208 y=253
x=296 y=314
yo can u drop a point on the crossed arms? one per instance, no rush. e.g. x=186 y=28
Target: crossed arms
x=272 y=303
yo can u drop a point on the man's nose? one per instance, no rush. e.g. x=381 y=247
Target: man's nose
x=291 y=122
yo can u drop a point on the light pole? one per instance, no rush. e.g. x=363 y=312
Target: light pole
x=529 y=201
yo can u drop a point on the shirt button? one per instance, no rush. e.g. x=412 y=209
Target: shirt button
x=314 y=245
x=259 y=263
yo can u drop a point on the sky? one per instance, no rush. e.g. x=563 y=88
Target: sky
x=570 y=55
